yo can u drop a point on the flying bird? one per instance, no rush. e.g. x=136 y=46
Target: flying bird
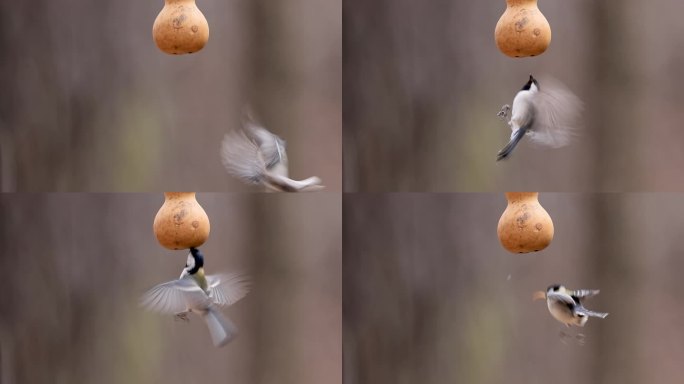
x=566 y=305
x=548 y=115
x=257 y=156
x=203 y=295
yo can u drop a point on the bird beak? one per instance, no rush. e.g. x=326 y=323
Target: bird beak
x=538 y=295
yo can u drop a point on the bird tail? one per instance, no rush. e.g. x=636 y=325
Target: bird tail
x=221 y=329
x=515 y=139
x=591 y=313
x=285 y=184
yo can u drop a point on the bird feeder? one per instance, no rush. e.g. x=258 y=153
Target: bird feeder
x=522 y=30
x=180 y=28
x=524 y=226
x=181 y=222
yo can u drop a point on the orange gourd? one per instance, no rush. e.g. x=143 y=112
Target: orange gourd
x=180 y=28
x=525 y=226
x=522 y=30
x=181 y=222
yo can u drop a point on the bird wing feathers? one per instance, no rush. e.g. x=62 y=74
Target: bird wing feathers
x=175 y=296
x=558 y=115
x=582 y=294
x=584 y=311
x=272 y=147
x=226 y=289
x=562 y=297
x=241 y=157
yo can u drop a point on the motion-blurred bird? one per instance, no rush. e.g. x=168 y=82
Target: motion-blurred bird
x=195 y=292
x=566 y=305
x=548 y=115
x=256 y=156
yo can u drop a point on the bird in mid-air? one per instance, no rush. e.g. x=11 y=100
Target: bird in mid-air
x=203 y=295
x=566 y=305
x=257 y=156
x=549 y=115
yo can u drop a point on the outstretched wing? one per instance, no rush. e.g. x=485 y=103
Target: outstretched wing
x=580 y=309
x=240 y=155
x=174 y=296
x=226 y=289
x=581 y=294
x=558 y=115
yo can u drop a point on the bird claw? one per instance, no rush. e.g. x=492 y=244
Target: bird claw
x=182 y=316
x=503 y=113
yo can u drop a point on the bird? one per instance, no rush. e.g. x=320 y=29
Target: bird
x=257 y=156
x=550 y=115
x=566 y=305
x=199 y=293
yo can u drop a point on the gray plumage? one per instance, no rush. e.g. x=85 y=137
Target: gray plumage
x=566 y=305
x=257 y=156
x=549 y=114
x=178 y=297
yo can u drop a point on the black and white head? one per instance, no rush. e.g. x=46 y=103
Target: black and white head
x=555 y=288
x=195 y=261
x=532 y=85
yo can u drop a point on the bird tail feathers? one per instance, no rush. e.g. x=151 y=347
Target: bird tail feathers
x=515 y=139
x=221 y=329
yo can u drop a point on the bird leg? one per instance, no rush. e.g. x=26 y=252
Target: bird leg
x=182 y=316
x=503 y=113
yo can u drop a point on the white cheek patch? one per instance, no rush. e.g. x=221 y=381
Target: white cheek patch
x=191 y=262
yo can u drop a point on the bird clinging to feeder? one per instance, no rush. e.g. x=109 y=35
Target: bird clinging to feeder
x=202 y=294
x=180 y=28
x=522 y=30
x=524 y=226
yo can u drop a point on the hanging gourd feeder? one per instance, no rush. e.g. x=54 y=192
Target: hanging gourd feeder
x=524 y=226
x=180 y=28
x=181 y=223
x=522 y=30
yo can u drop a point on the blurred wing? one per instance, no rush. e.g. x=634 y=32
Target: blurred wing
x=272 y=147
x=174 y=296
x=226 y=289
x=241 y=157
x=562 y=297
x=558 y=115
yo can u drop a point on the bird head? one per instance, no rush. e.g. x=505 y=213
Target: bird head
x=195 y=261
x=531 y=85
x=539 y=295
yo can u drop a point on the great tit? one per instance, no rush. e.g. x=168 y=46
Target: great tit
x=257 y=156
x=195 y=292
x=566 y=305
x=549 y=116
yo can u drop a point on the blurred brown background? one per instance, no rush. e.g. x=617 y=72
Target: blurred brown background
x=423 y=81
x=75 y=265
x=89 y=103
x=430 y=296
